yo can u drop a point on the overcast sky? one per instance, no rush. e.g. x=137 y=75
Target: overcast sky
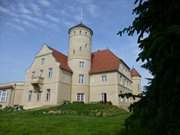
x=25 y=25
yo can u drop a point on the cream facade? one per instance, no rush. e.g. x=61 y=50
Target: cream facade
x=82 y=76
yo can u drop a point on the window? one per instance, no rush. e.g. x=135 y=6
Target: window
x=80 y=32
x=81 y=64
x=86 y=33
x=104 y=97
x=85 y=45
x=33 y=74
x=38 y=96
x=50 y=72
x=48 y=94
x=80 y=48
x=41 y=73
x=42 y=61
x=81 y=78
x=80 y=97
x=30 y=95
x=104 y=77
x=74 y=32
x=3 y=95
x=73 y=51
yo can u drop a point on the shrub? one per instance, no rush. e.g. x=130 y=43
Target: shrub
x=78 y=102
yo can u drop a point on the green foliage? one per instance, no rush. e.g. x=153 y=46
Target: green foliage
x=96 y=110
x=158 y=112
x=34 y=122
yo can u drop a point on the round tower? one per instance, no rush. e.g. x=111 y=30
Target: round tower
x=79 y=60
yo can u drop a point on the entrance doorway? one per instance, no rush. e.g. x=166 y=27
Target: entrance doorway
x=104 y=97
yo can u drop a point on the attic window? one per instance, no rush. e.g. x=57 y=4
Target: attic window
x=42 y=61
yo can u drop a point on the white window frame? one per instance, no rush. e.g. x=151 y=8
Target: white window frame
x=81 y=78
x=104 y=78
x=3 y=95
x=81 y=64
x=50 y=72
x=80 y=97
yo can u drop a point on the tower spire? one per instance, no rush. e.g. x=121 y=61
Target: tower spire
x=81 y=20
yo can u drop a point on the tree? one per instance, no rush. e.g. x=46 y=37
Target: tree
x=159 y=111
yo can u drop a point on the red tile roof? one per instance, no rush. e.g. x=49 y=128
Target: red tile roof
x=104 y=61
x=134 y=72
x=62 y=59
x=101 y=61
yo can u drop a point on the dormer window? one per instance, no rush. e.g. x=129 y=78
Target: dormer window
x=42 y=61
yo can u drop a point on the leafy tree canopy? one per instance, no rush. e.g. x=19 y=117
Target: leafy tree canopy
x=159 y=111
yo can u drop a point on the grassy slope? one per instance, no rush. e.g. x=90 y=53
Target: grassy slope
x=36 y=123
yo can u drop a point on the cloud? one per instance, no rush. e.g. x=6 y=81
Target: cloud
x=23 y=9
x=35 y=19
x=45 y=3
x=52 y=18
x=7 y=11
x=18 y=27
x=92 y=9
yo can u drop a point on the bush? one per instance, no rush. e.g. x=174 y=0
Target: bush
x=66 y=102
x=78 y=102
x=13 y=108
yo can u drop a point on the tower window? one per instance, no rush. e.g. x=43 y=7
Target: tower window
x=81 y=64
x=81 y=78
x=80 y=32
x=86 y=32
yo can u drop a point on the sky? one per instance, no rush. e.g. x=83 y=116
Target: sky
x=25 y=25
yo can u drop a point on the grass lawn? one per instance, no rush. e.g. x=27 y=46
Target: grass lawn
x=37 y=123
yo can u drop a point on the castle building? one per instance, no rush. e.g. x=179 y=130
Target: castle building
x=81 y=76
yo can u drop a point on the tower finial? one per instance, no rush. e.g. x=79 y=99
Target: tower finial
x=81 y=15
